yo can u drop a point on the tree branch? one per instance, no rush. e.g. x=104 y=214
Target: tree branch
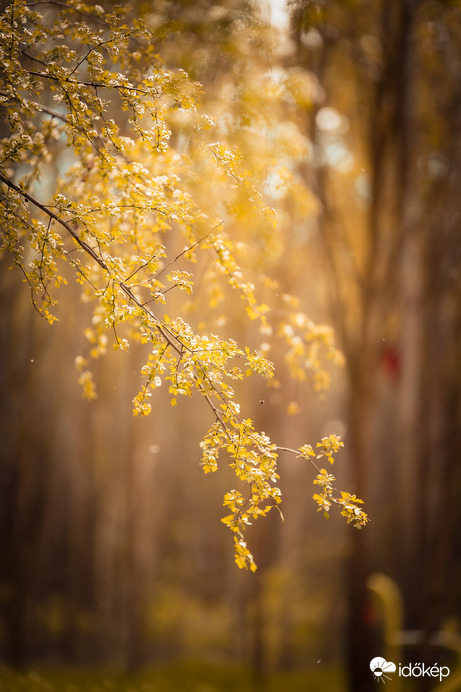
x=88 y=249
x=40 y=107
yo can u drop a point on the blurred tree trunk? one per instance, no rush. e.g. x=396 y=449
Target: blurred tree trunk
x=405 y=250
x=21 y=472
x=434 y=438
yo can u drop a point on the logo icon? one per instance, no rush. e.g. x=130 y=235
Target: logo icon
x=380 y=667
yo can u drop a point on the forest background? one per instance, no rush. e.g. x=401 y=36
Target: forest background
x=113 y=553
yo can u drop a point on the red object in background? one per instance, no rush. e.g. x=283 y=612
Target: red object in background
x=391 y=362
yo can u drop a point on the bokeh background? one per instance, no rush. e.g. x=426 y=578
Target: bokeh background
x=112 y=550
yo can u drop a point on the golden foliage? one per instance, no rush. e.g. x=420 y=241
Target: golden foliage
x=141 y=205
